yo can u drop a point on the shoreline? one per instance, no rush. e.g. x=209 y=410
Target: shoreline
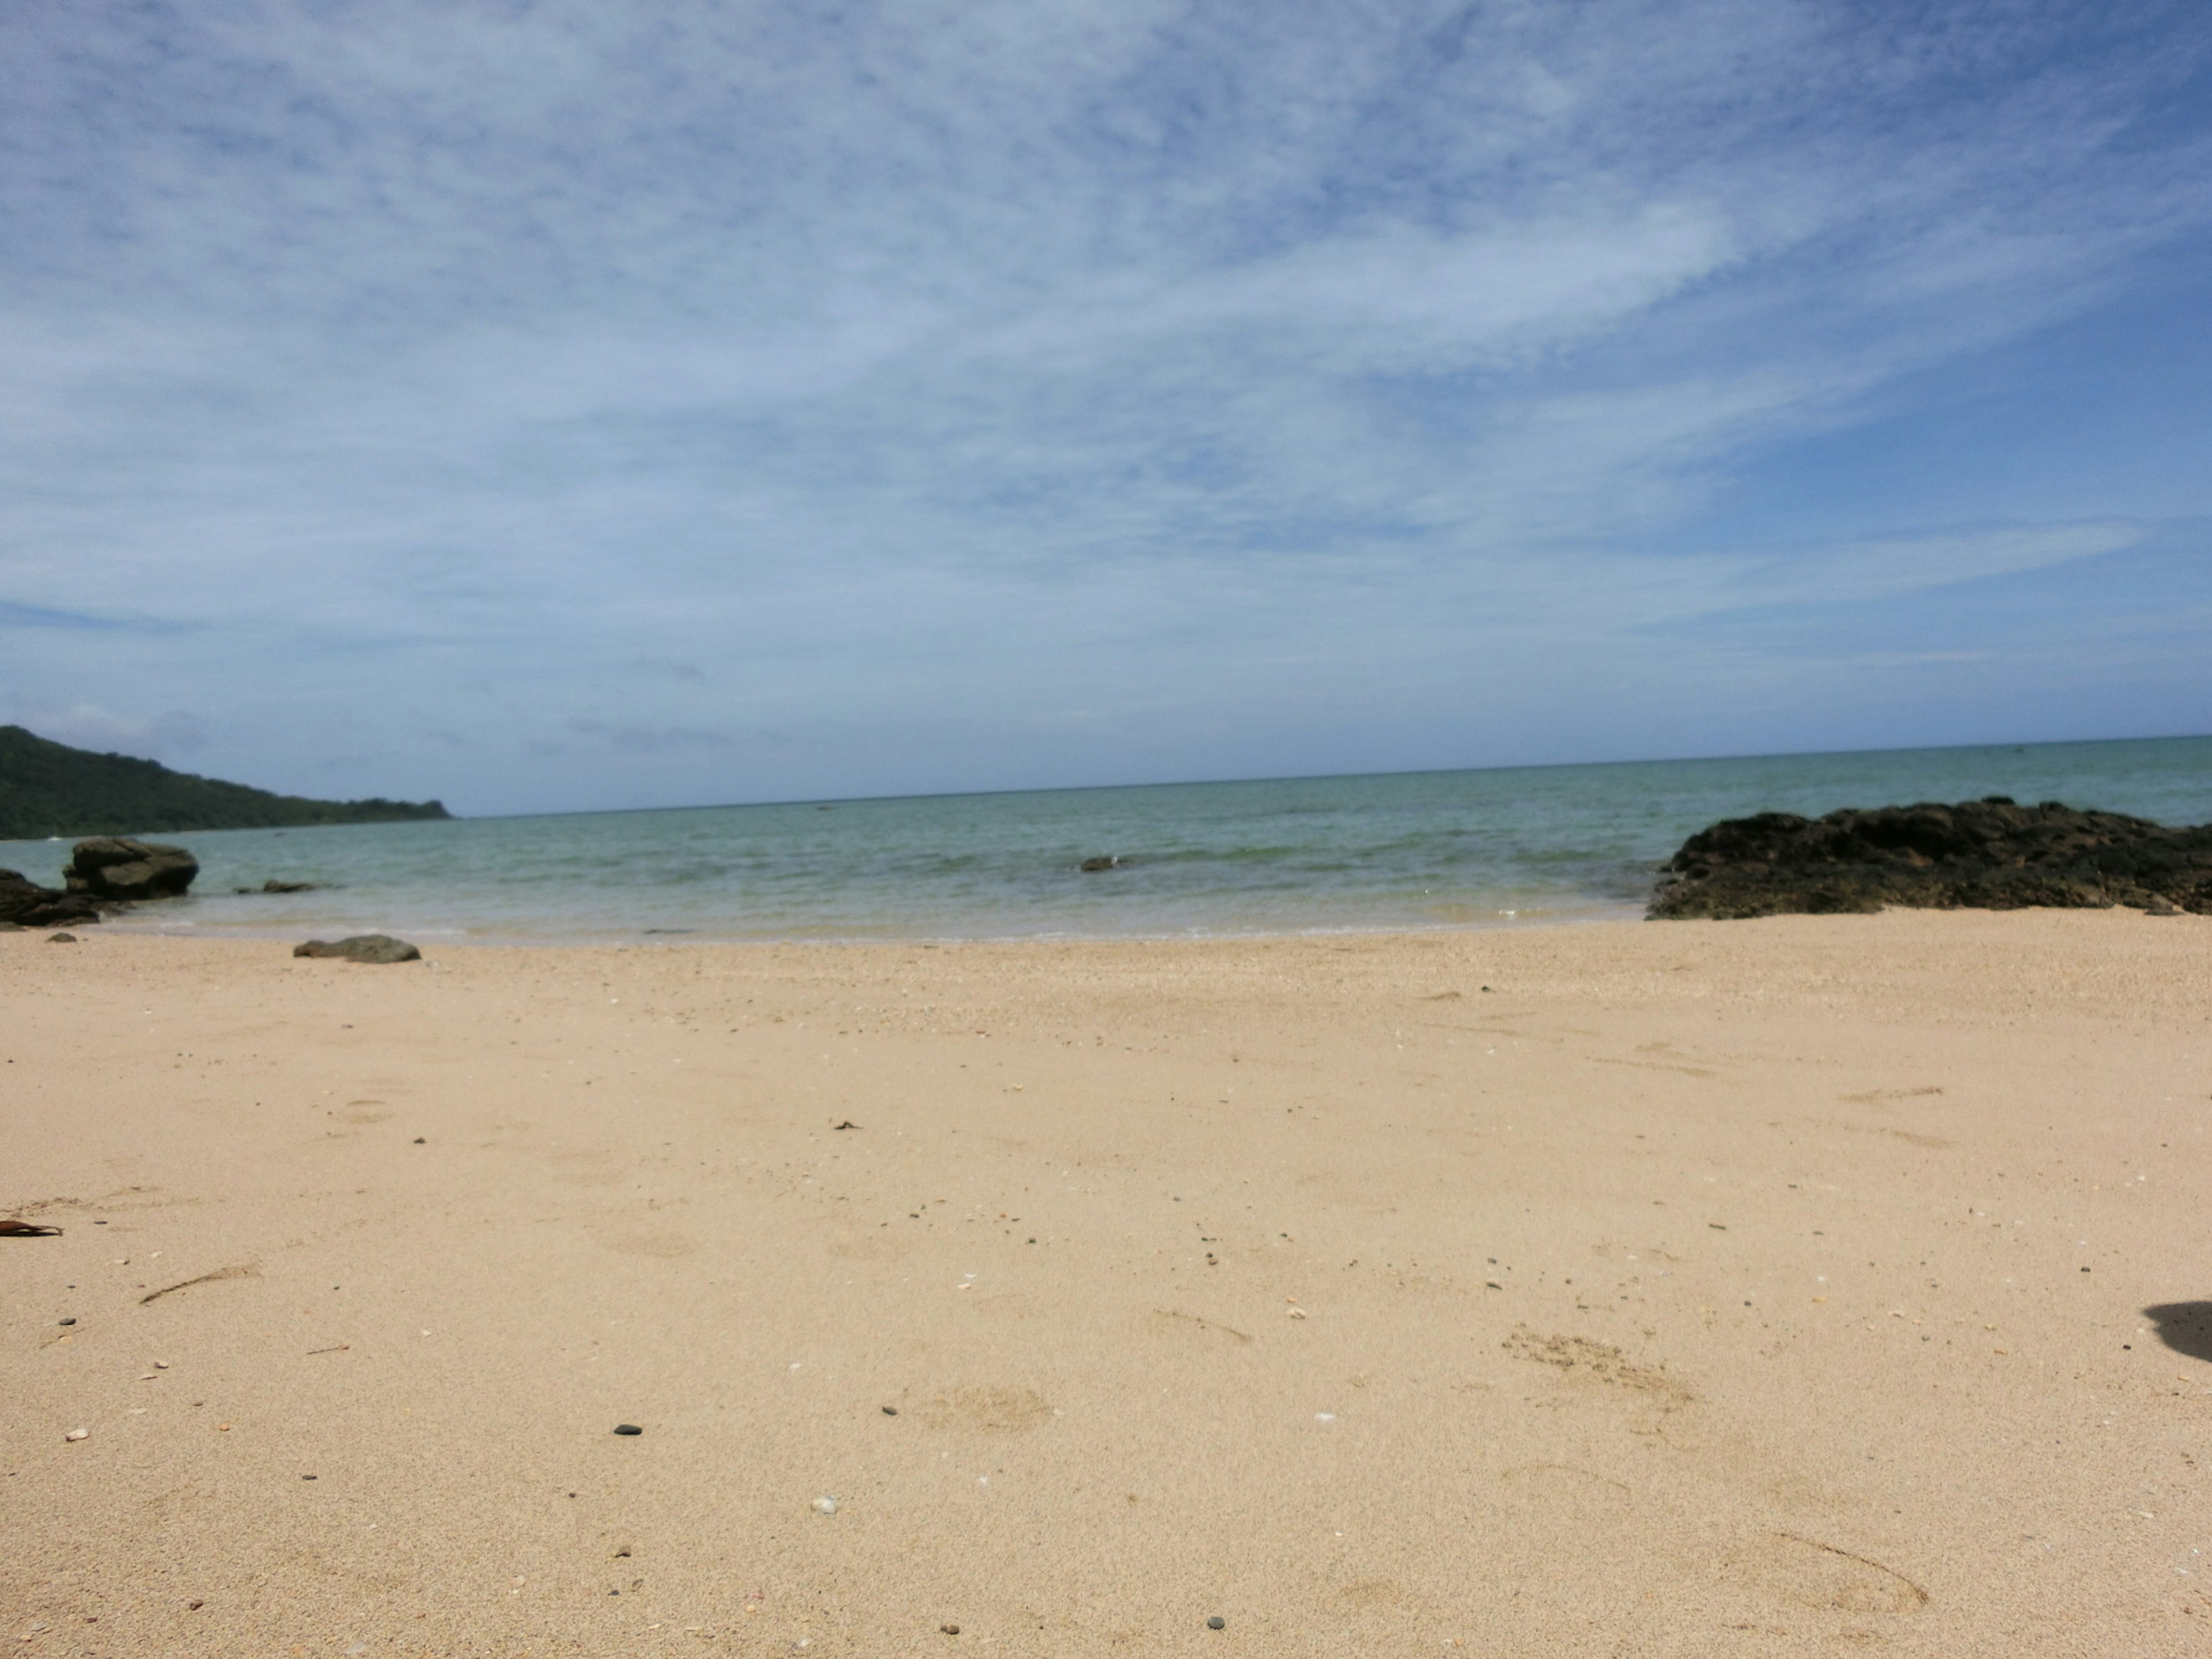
x=1710 y=1288
x=273 y=933
x=1371 y=854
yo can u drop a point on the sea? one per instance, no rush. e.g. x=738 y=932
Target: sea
x=1513 y=847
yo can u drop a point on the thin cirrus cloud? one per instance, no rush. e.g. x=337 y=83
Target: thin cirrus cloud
x=555 y=406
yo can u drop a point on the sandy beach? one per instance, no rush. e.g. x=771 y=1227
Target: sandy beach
x=1753 y=1288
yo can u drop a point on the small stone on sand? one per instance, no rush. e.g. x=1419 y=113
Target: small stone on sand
x=627 y=1428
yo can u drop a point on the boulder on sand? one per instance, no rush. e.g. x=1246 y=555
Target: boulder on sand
x=1991 y=854
x=117 y=867
x=362 y=947
x=26 y=904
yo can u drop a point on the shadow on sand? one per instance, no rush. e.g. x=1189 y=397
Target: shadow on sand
x=2184 y=1327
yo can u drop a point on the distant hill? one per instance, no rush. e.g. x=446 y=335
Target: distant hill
x=51 y=789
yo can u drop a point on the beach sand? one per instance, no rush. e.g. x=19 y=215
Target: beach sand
x=1747 y=1288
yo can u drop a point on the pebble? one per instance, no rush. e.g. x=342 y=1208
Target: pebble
x=1216 y=1623
x=627 y=1428
x=888 y=1411
x=69 y=1320
x=950 y=1630
x=78 y=1434
x=825 y=1506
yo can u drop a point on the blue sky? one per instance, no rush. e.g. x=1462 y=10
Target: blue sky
x=576 y=405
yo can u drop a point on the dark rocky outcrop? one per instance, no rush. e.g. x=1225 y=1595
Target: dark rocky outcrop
x=273 y=886
x=26 y=904
x=362 y=947
x=118 y=868
x=1986 y=854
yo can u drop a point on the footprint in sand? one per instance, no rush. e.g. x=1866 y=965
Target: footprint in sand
x=1600 y=1362
x=989 y=1411
x=1174 y=1319
x=1553 y=1485
x=1813 y=1574
x=1374 y=1595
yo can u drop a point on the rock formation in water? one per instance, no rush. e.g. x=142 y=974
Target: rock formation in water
x=1989 y=854
x=24 y=903
x=118 y=868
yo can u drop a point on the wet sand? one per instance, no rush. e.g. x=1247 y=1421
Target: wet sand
x=1701 y=1289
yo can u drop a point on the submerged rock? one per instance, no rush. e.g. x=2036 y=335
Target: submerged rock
x=1991 y=854
x=362 y=947
x=118 y=868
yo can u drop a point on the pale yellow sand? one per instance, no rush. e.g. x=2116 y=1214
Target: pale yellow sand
x=1738 y=1289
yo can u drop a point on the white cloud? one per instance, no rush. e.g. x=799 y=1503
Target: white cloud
x=90 y=725
x=940 y=357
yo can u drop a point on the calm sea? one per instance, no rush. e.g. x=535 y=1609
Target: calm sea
x=1407 y=850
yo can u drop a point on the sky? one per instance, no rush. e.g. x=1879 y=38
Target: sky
x=564 y=406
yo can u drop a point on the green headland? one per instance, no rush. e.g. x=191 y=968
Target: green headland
x=48 y=788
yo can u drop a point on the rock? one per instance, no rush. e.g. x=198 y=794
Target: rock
x=117 y=867
x=1989 y=854
x=1216 y=1623
x=627 y=1428
x=61 y=939
x=362 y=947
x=825 y=1506
x=1107 y=862
x=26 y=904
x=273 y=886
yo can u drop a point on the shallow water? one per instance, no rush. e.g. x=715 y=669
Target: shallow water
x=1406 y=850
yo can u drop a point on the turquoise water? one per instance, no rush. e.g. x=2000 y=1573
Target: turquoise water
x=1408 y=850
